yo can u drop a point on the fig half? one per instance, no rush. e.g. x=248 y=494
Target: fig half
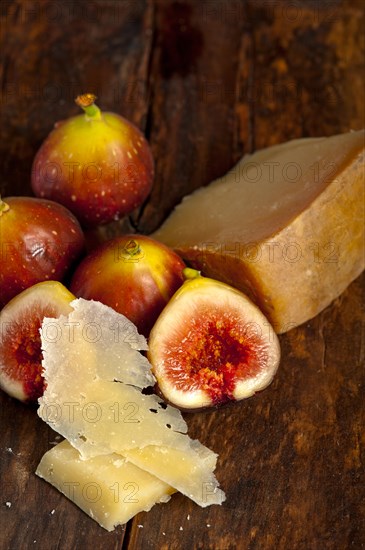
x=20 y=339
x=211 y=345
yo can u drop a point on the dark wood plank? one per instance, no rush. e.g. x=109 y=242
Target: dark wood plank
x=305 y=77
x=207 y=81
x=50 y=53
x=193 y=88
x=290 y=458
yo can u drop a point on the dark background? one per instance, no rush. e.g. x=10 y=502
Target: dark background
x=206 y=81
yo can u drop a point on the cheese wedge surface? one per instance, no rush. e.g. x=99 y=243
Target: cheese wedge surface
x=285 y=226
x=109 y=489
x=90 y=399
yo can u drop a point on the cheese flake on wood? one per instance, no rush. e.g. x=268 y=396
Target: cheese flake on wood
x=91 y=399
x=190 y=476
x=108 y=488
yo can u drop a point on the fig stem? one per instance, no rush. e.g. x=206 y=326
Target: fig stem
x=87 y=103
x=4 y=207
x=190 y=273
x=132 y=248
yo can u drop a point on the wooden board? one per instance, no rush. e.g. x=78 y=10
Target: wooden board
x=206 y=81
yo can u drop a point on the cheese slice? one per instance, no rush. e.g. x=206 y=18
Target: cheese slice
x=190 y=476
x=107 y=488
x=285 y=226
x=89 y=377
x=90 y=400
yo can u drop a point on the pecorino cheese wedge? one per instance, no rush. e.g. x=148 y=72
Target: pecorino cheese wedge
x=285 y=226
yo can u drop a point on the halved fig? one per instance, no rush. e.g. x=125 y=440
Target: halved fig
x=211 y=345
x=20 y=339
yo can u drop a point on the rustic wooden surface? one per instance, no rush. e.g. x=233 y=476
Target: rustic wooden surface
x=206 y=81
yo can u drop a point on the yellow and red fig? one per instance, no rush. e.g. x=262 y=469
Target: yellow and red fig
x=97 y=164
x=211 y=345
x=133 y=274
x=20 y=339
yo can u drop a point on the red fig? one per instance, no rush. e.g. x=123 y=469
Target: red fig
x=20 y=339
x=133 y=274
x=211 y=345
x=39 y=240
x=97 y=164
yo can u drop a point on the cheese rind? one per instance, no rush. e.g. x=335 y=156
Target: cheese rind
x=107 y=488
x=285 y=226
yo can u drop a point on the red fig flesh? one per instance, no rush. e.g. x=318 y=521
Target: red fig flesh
x=97 y=164
x=133 y=274
x=20 y=340
x=211 y=345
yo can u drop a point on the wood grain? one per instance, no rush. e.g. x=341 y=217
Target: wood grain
x=207 y=81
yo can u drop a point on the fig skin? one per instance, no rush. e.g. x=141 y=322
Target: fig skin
x=133 y=274
x=99 y=165
x=20 y=342
x=211 y=345
x=40 y=240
